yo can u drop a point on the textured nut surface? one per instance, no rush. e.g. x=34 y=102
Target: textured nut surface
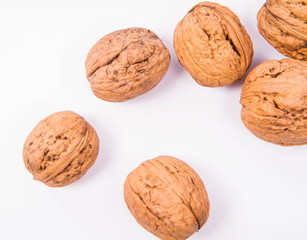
x=283 y=23
x=274 y=102
x=212 y=45
x=167 y=198
x=60 y=149
x=126 y=63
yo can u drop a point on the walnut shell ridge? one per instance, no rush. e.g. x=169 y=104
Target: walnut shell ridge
x=212 y=45
x=167 y=198
x=283 y=23
x=126 y=63
x=274 y=102
x=60 y=149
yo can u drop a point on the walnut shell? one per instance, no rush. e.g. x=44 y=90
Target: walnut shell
x=283 y=23
x=167 y=198
x=60 y=149
x=212 y=45
x=126 y=63
x=274 y=102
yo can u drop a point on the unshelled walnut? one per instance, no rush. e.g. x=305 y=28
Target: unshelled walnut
x=126 y=63
x=283 y=23
x=212 y=45
x=167 y=198
x=60 y=149
x=274 y=101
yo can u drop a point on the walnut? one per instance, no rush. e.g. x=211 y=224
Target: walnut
x=212 y=45
x=60 y=149
x=126 y=63
x=167 y=198
x=274 y=101
x=283 y=23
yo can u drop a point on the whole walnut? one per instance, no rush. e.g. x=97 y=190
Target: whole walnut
x=126 y=63
x=167 y=198
x=212 y=45
x=283 y=23
x=60 y=149
x=274 y=101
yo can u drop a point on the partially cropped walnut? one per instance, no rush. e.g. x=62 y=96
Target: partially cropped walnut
x=212 y=45
x=126 y=63
x=60 y=149
x=167 y=198
x=274 y=102
x=283 y=23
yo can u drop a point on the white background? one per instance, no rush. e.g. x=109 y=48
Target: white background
x=257 y=190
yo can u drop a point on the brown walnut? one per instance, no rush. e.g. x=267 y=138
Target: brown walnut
x=283 y=23
x=274 y=101
x=60 y=149
x=126 y=63
x=212 y=45
x=167 y=198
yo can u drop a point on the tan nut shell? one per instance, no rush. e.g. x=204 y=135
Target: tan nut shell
x=60 y=149
x=167 y=198
x=126 y=63
x=283 y=23
x=274 y=102
x=212 y=45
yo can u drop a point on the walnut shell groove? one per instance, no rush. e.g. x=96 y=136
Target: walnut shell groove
x=274 y=102
x=60 y=149
x=167 y=198
x=126 y=63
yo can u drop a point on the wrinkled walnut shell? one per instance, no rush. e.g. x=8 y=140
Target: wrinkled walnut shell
x=274 y=102
x=167 y=198
x=283 y=23
x=60 y=149
x=126 y=63
x=212 y=45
